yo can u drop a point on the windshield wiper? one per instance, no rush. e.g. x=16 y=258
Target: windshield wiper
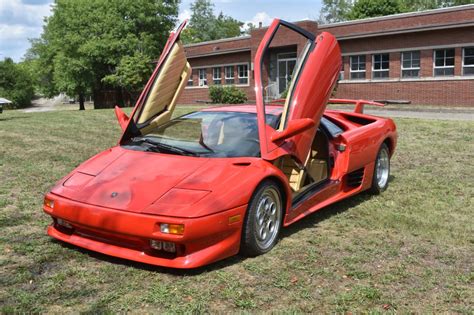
x=205 y=146
x=164 y=146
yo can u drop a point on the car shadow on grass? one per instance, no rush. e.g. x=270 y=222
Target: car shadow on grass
x=307 y=222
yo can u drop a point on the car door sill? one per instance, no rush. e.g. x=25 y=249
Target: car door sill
x=310 y=191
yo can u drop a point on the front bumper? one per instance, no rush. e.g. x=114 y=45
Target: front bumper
x=127 y=235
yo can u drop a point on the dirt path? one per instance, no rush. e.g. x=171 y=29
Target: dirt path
x=44 y=105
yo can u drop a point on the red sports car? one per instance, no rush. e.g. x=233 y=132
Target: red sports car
x=189 y=191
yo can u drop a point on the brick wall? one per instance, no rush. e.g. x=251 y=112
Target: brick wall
x=402 y=22
x=195 y=53
x=454 y=93
x=366 y=37
x=409 y=40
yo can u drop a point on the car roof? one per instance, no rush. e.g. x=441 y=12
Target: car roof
x=270 y=109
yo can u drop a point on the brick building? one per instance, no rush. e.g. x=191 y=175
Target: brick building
x=424 y=57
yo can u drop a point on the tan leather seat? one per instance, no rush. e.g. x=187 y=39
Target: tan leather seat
x=315 y=166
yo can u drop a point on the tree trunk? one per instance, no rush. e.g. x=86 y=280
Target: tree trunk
x=81 y=102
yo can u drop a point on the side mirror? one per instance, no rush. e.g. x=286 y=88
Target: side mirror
x=294 y=127
x=122 y=118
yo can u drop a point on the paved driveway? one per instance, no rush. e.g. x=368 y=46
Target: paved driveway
x=424 y=114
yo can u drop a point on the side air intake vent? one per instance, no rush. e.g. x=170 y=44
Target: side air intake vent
x=354 y=179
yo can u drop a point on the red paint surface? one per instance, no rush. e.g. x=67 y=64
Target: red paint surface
x=116 y=200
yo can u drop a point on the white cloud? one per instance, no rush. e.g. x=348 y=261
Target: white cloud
x=12 y=32
x=184 y=15
x=260 y=17
x=20 y=21
x=17 y=12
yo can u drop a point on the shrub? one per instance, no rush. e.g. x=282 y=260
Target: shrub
x=226 y=95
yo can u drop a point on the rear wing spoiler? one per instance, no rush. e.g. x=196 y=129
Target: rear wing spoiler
x=359 y=104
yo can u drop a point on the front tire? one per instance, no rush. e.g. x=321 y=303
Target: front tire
x=381 y=170
x=263 y=220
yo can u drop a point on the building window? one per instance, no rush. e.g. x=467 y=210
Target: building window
x=216 y=75
x=357 y=67
x=411 y=64
x=468 y=61
x=444 y=62
x=229 y=75
x=202 y=77
x=341 y=73
x=243 y=71
x=190 y=81
x=380 y=66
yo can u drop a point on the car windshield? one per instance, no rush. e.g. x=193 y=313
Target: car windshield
x=205 y=133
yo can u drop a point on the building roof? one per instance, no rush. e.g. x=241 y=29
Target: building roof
x=444 y=18
x=217 y=41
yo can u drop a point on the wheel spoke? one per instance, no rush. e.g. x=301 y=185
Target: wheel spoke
x=267 y=218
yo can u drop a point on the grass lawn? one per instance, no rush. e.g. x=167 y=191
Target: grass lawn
x=410 y=249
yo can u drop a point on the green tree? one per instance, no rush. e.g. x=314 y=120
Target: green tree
x=15 y=84
x=204 y=25
x=334 y=11
x=371 y=8
x=87 y=45
x=130 y=72
x=419 y=5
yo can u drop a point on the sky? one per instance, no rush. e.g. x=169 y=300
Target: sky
x=21 y=20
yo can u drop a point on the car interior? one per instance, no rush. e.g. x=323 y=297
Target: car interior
x=315 y=169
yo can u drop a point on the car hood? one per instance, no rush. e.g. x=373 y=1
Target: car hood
x=125 y=179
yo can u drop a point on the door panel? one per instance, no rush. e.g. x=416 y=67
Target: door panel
x=317 y=70
x=158 y=99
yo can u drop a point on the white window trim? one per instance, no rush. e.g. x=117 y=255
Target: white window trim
x=462 y=62
x=422 y=79
x=246 y=75
x=442 y=67
x=287 y=58
x=356 y=71
x=221 y=66
x=214 y=78
x=214 y=73
x=369 y=52
x=229 y=78
x=202 y=82
x=411 y=68
x=380 y=70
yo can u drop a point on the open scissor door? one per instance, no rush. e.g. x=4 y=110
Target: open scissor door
x=308 y=84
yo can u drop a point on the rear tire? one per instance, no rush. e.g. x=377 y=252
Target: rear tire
x=262 y=223
x=381 y=170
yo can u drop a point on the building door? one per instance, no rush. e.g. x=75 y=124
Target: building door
x=286 y=65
